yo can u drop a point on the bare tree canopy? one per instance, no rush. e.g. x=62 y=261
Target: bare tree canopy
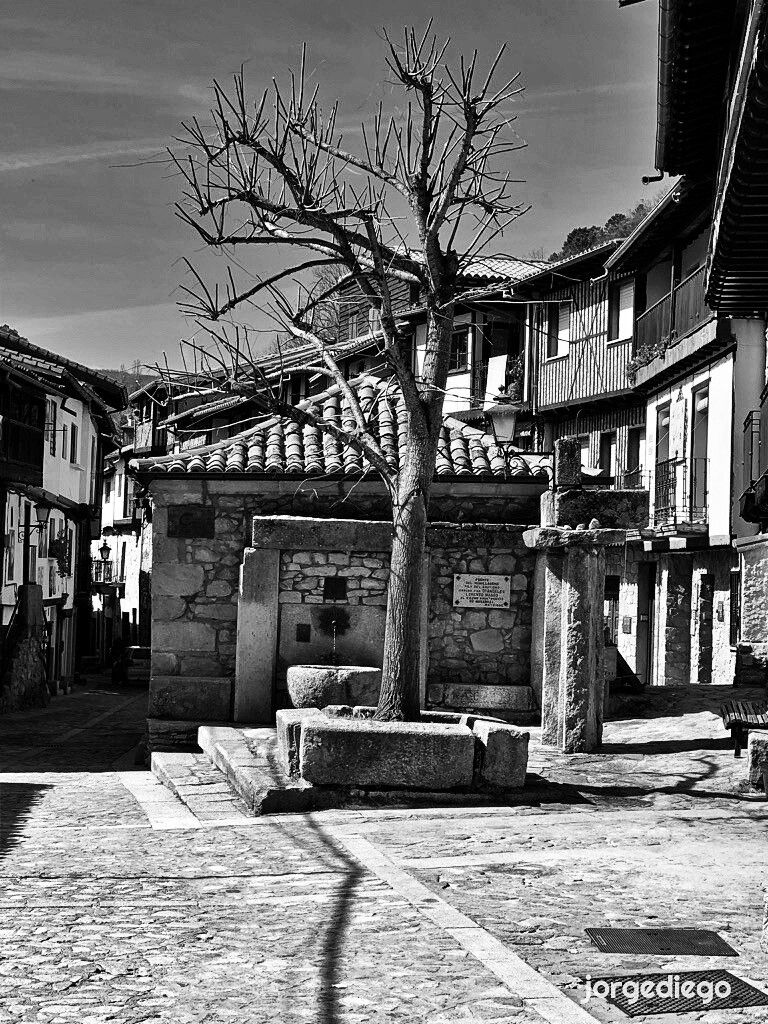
x=426 y=191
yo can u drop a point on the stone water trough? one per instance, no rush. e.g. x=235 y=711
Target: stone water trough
x=342 y=747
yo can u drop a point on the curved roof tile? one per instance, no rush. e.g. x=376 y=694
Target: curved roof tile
x=281 y=446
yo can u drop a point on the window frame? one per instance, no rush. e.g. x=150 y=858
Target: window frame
x=614 y=310
x=460 y=329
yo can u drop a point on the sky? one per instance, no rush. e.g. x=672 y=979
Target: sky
x=92 y=91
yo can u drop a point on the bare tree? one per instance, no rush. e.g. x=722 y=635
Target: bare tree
x=418 y=200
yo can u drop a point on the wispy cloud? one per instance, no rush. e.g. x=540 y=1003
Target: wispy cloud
x=54 y=155
x=531 y=96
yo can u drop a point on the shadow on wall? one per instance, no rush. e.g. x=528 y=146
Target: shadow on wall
x=16 y=802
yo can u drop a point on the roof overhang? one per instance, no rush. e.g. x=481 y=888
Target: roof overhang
x=684 y=201
x=695 y=48
x=737 y=269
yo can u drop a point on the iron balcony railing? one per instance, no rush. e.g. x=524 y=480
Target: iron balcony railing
x=106 y=572
x=680 y=491
x=680 y=311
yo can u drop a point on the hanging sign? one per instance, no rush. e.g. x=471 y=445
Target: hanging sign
x=479 y=591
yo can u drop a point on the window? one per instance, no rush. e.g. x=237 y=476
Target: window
x=611 y=609
x=558 y=329
x=621 y=311
x=334 y=588
x=122 y=562
x=353 y=325
x=584 y=444
x=74 y=451
x=459 y=360
x=373 y=320
x=414 y=294
x=735 y=609
x=633 y=474
x=107 y=489
x=699 y=432
x=64 y=432
x=51 y=425
x=608 y=454
x=662 y=433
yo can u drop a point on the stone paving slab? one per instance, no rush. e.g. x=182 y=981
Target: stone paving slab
x=107 y=915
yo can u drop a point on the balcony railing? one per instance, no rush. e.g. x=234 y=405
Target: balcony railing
x=106 y=572
x=674 y=315
x=680 y=492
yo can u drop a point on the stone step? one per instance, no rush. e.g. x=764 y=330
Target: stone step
x=249 y=760
x=200 y=785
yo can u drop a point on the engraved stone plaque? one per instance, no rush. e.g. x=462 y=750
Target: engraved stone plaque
x=479 y=591
x=190 y=521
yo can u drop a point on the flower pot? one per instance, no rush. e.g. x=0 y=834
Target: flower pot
x=317 y=686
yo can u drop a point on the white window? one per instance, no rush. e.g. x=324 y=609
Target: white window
x=564 y=326
x=621 y=313
x=558 y=329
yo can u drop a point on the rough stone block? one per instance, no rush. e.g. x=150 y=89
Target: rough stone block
x=386 y=755
x=183 y=636
x=757 y=755
x=289 y=724
x=504 y=754
x=176 y=579
x=190 y=697
x=487 y=641
x=506 y=698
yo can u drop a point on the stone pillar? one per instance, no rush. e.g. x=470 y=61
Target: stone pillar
x=572 y=663
x=553 y=568
x=567 y=463
x=256 y=635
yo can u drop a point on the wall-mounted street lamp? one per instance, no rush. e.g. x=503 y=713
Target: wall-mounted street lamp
x=42 y=513
x=105 y=551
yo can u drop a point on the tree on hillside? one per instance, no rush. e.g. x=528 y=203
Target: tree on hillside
x=419 y=197
x=618 y=225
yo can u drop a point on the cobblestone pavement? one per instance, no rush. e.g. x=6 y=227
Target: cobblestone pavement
x=113 y=909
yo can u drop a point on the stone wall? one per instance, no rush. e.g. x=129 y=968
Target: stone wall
x=24 y=681
x=477 y=648
x=195 y=583
x=623 y=509
x=306 y=608
x=753 y=633
x=692 y=605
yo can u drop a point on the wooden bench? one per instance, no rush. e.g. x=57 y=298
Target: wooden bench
x=740 y=716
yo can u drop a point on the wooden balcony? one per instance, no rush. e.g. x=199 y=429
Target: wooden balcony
x=673 y=328
x=21 y=452
x=675 y=315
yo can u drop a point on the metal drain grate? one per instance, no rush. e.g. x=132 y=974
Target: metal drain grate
x=660 y=941
x=639 y=995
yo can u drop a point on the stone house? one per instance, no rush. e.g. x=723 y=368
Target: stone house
x=55 y=436
x=259 y=541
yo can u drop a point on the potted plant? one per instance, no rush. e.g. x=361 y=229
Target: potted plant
x=513 y=386
x=59 y=549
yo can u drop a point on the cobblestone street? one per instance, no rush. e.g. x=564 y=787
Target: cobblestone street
x=119 y=904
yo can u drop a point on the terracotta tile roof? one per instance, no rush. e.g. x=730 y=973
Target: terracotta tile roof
x=280 y=447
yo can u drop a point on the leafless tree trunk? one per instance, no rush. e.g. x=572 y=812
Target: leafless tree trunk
x=417 y=204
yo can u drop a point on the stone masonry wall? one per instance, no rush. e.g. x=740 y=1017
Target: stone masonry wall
x=24 y=683
x=302 y=576
x=478 y=646
x=305 y=635
x=195 y=580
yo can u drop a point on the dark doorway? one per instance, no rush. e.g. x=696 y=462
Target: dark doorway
x=646 y=617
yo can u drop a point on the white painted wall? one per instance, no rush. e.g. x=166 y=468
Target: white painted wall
x=720 y=437
x=748 y=383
